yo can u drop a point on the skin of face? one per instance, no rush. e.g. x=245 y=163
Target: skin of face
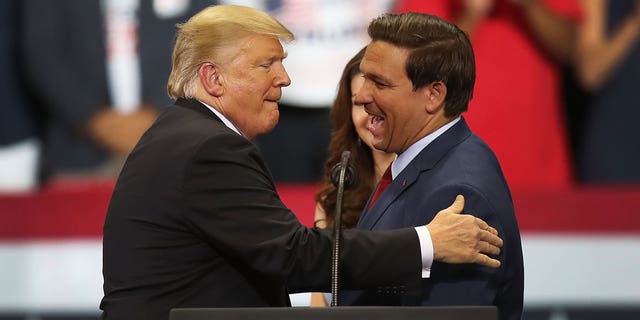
x=252 y=84
x=400 y=115
x=359 y=117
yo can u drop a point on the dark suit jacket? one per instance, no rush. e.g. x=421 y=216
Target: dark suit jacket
x=195 y=221
x=63 y=43
x=457 y=162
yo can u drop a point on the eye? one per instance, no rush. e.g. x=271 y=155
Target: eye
x=380 y=85
x=267 y=65
x=377 y=82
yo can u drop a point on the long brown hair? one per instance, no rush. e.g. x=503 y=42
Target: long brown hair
x=344 y=137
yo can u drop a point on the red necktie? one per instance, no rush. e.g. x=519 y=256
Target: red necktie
x=384 y=182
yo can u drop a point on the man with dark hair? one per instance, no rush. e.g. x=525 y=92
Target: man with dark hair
x=419 y=75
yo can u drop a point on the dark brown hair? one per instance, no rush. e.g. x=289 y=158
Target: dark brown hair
x=440 y=51
x=344 y=137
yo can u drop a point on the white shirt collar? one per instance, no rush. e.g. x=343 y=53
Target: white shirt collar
x=403 y=159
x=223 y=118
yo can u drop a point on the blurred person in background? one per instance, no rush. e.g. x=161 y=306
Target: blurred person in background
x=517 y=104
x=19 y=144
x=608 y=66
x=327 y=35
x=349 y=133
x=98 y=70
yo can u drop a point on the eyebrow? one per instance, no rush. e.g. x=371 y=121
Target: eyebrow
x=275 y=58
x=278 y=57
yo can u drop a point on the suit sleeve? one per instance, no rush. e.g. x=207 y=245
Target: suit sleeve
x=462 y=284
x=234 y=206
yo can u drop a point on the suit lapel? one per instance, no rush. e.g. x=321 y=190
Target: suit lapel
x=424 y=161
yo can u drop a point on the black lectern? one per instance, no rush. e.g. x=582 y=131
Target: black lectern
x=338 y=313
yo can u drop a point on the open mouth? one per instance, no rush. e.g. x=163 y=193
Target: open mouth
x=375 y=122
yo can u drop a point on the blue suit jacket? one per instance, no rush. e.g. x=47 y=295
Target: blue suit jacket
x=457 y=162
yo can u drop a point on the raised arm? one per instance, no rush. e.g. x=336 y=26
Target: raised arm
x=598 y=53
x=555 y=33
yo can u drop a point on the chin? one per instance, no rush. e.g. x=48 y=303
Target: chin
x=270 y=128
x=271 y=125
x=275 y=118
x=377 y=147
x=381 y=145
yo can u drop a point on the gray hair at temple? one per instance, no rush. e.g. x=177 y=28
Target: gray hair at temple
x=440 y=51
x=213 y=35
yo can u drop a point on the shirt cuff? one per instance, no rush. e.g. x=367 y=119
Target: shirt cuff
x=426 y=249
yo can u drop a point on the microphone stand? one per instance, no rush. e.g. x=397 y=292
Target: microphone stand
x=337 y=225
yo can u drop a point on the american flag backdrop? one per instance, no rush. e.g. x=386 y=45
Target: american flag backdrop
x=581 y=245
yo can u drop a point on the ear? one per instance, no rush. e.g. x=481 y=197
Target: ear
x=210 y=79
x=435 y=93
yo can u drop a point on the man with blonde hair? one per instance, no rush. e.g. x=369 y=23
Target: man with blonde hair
x=195 y=219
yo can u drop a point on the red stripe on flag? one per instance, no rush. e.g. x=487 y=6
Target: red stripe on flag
x=61 y=209
x=76 y=209
x=588 y=209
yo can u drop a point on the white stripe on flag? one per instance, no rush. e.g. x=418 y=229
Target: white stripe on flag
x=560 y=270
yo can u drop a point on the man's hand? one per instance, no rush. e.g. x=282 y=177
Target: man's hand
x=463 y=238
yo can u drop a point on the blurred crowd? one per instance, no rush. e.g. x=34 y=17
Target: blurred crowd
x=81 y=80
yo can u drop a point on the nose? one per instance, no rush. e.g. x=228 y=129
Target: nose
x=282 y=78
x=363 y=96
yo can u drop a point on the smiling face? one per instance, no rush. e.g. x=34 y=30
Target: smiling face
x=252 y=84
x=398 y=113
x=359 y=116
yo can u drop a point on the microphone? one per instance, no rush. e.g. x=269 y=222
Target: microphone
x=350 y=177
x=342 y=176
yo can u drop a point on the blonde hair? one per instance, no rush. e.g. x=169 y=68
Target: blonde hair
x=209 y=35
